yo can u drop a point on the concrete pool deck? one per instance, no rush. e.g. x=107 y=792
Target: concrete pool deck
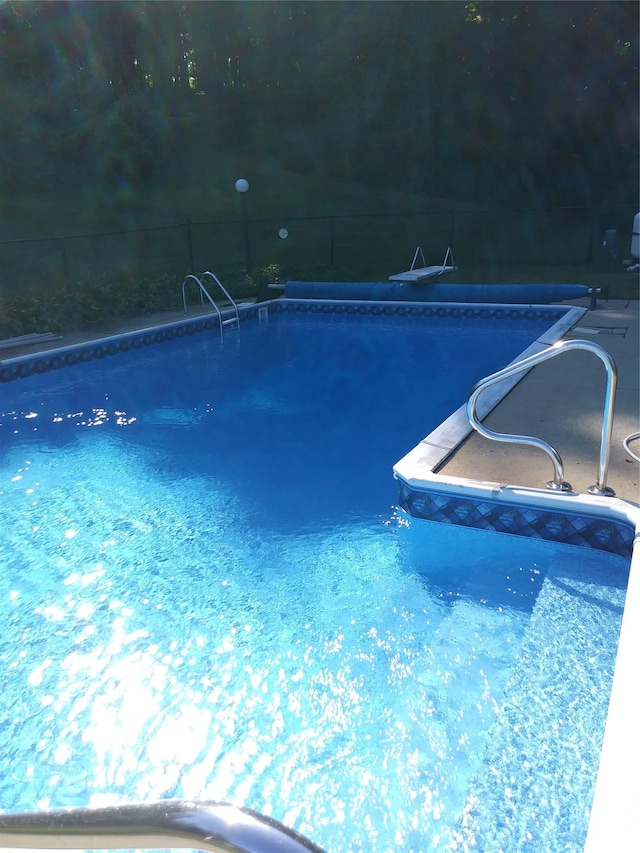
x=561 y=401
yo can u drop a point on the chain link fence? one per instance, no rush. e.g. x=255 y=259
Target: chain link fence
x=375 y=244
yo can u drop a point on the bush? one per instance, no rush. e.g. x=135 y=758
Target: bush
x=58 y=310
x=109 y=298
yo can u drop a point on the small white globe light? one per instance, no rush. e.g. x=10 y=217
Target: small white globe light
x=241 y=185
x=283 y=233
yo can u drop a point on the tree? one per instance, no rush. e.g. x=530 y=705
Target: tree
x=491 y=102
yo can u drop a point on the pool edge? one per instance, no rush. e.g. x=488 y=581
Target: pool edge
x=612 y=821
x=613 y=805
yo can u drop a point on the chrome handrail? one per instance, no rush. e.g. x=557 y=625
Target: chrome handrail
x=627 y=440
x=216 y=827
x=226 y=293
x=600 y=487
x=203 y=290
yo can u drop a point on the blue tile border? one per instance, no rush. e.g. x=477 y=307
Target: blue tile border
x=400 y=309
x=20 y=368
x=537 y=522
x=81 y=353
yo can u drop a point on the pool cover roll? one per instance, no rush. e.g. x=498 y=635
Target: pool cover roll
x=387 y=291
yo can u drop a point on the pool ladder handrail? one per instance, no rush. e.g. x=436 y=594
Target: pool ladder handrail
x=558 y=483
x=205 y=292
x=215 y=827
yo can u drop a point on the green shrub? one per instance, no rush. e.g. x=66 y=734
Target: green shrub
x=112 y=297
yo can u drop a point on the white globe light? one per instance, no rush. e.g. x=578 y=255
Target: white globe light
x=241 y=185
x=283 y=233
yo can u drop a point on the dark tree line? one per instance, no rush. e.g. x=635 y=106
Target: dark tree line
x=494 y=102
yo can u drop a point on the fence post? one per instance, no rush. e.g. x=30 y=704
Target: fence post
x=65 y=264
x=332 y=229
x=189 y=244
x=593 y=227
x=452 y=229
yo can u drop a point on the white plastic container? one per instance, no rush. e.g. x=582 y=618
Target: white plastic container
x=635 y=237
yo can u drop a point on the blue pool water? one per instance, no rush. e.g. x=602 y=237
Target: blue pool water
x=207 y=591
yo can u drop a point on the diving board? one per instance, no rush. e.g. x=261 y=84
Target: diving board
x=423 y=272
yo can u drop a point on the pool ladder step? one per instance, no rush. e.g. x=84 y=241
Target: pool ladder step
x=227 y=321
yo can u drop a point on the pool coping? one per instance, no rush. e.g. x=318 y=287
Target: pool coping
x=612 y=820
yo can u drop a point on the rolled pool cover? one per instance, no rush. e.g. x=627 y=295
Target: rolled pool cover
x=387 y=291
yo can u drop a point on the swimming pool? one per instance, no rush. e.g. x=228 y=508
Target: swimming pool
x=211 y=592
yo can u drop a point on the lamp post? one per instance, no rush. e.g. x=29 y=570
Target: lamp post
x=242 y=187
